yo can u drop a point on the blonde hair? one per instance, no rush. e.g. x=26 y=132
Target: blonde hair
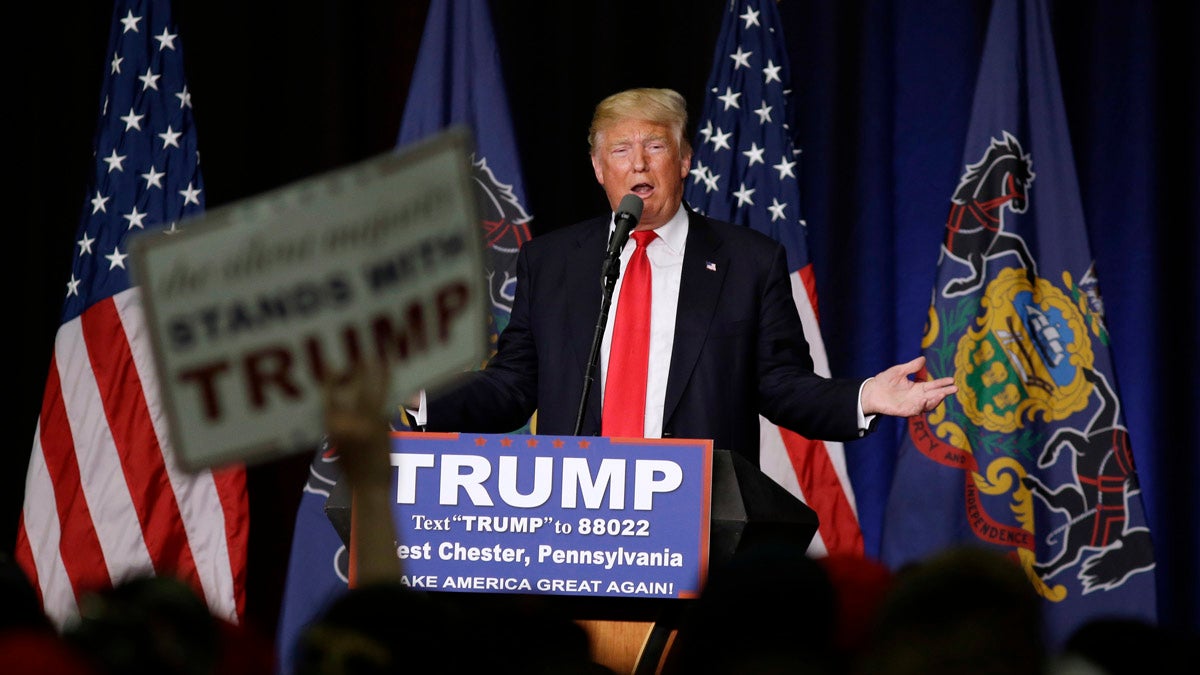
x=658 y=106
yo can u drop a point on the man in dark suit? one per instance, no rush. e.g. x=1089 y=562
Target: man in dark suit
x=726 y=342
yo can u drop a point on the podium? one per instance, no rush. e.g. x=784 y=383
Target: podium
x=633 y=635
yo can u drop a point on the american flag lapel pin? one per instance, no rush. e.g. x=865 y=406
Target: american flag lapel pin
x=710 y=266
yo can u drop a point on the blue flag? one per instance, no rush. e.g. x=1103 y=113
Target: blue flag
x=319 y=565
x=457 y=80
x=1032 y=456
x=745 y=170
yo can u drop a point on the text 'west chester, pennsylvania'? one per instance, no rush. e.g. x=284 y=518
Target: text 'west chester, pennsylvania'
x=552 y=515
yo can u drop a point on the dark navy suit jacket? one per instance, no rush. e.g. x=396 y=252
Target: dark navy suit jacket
x=739 y=346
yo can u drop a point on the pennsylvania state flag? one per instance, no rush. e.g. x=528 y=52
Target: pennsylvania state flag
x=1032 y=455
x=457 y=80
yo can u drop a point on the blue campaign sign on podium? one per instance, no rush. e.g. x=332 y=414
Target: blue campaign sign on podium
x=591 y=516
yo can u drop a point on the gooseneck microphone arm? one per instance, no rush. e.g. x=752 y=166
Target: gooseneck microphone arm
x=626 y=218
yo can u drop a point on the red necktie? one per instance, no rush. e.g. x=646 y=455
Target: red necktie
x=629 y=353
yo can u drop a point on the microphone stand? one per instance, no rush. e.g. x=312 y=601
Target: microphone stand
x=608 y=281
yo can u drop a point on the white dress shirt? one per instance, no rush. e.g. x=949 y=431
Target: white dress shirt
x=666 y=270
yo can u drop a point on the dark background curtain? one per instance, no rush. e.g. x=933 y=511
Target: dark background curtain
x=284 y=90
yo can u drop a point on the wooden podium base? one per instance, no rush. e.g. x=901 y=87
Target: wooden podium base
x=628 y=647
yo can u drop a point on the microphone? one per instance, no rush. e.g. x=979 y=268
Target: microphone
x=628 y=213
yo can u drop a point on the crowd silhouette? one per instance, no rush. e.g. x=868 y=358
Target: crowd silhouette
x=771 y=609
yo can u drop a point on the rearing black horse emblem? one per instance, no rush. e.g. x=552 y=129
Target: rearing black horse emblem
x=975 y=230
x=1094 y=504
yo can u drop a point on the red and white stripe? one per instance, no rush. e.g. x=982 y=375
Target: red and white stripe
x=813 y=471
x=105 y=500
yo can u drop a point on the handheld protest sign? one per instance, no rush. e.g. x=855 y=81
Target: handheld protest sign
x=252 y=306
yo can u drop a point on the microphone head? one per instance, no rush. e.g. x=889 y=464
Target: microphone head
x=632 y=205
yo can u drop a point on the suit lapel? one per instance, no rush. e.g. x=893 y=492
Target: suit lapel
x=705 y=265
x=583 y=288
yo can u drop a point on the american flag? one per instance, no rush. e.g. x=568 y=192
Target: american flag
x=105 y=500
x=745 y=171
